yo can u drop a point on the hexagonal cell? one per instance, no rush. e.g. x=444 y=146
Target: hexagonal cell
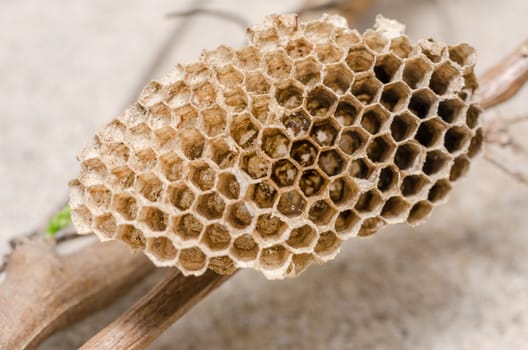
x=214 y=121
x=462 y=54
x=143 y=160
x=388 y=178
x=177 y=94
x=274 y=257
x=202 y=176
x=332 y=162
x=154 y=218
x=192 y=143
x=149 y=186
x=222 y=153
x=245 y=248
x=228 y=76
x=439 y=191
x=266 y=38
x=460 y=168
x=216 y=237
x=353 y=141
x=298 y=122
x=395 y=208
x=361 y=168
x=228 y=185
x=338 y=78
x=347 y=111
x=289 y=95
x=422 y=103
x=204 y=95
x=401 y=46
x=121 y=178
x=105 y=225
x=260 y=107
x=435 y=161
x=131 y=236
x=162 y=248
x=403 y=126
x=92 y=171
x=456 y=138
x=192 y=259
x=342 y=190
x=311 y=182
x=472 y=116
x=319 y=102
x=278 y=65
x=181 y=196
x=419 y=212
x=236 y=99
x=394 y=96
x=275 y=143
x=125 y=205
x=98 y=197
x=308 y=71
x=371 y=226
x=222 y=265
x=244 y=131
x=375 y=40
x=386 y=67
x=416 y=71
x=380 y=149
x=359 y=58
x=302 y=238
x=442 y=78
x=324 y=132
x=139 y=135
x=187 y=227
x=347 y=38
x=430 y=132
x=248 y=58
x=115 y=153
x=299 y=48
x=263 y=194
x=304 y=153
x=210 y=205
x=328 y=53
x=164 y=138
x=345 y=221
x=319 y=31
x=413 y=184
x=186 y=117
x=239 y=216
x=82 y=219
x=255 y=164
x=291 y=203
x=328 y=244
x=368 y=201
x=283 y=173
x=321 y=212
x=256 y=83
x=407 y=155
x=196 y=73
x=270 y=227
x=77 y=192
x=476 y=143
x=374 y=119
x=450 y=110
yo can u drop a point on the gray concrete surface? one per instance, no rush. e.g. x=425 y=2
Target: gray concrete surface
x=458 y=282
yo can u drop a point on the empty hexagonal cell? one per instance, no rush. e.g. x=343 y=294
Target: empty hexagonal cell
x=223 y=154
x=214 y=121
x=331 y=162
x=202 y=176
x=302 y=238
x=162 y=248
x=345 y=221
x=236 y=99
x=245 y=248
x=244 y=131
x=143 y=160
x=131 y=236
x=338 y=78
x=149 y=186
x=125 y=205
x=228 y=185
x=291 y=203
x=177 y=94
x=319 y=31
x=325 y=132
x=267 y=38
x=187 y=227
x=388 y=179
x=256 y=83
x=401 y=46
x=366 y=89
x=299 y=48
x=275 y=143
x=439 y=191
x=435 y=162
x=248 y=58
x=328 y=53
x=181 y=196
x=270 y=227
x=139 y=135
x=386 y=67
x=171 y=166
x=216 y=237
x=192 y=143
x=359 y=58
x=462 y=54
x=298 y=122
x=204 y=95
x=407 y=155
x=328 y=244
x=186 y=117
x=456 y=138
x=278 y=65
x=395 y=96
x=342 y=190
x=82 y=219
x=105 y=225
x=368 y=201
x=98 y=197
x=115 y=153
x=374 y=119
x=283 y=173
x=422 y=103
x=472 y=116
x=430 y=132
x=319 y=102
x=311 y=182
x=375 y=40
x=239 y=216
x=263 y=194
x=164 y=138
x=321 y=212
x=361 y=168
x=403 y=126
x=476 y=143
x=308 y=71
x=413 y=184
x=92 y=171
x=353 y=140
x=260 y=107
x=210 y=205
x=304 y=152
x=121 y=178
x=395 y=208
x=197 y=73
x=347 y=111
x=450 y=110
x=77 y=191
x=380 y=149
x=442 y=78
x=229 y=76
x=255 y=164
x=289 y=95
x=416 y=72
x=274 y=257
x=154 y=218
x=192 y=259
x=460 y=168
x=222 y=265
x=371 y=226
x=347 y=38
x=419 y=212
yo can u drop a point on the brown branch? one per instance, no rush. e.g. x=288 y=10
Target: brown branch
x=43 y=292
x=156 y=311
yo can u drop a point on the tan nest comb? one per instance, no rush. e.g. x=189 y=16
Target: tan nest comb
x=270 y=156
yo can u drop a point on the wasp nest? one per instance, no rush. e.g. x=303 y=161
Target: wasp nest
x=270 y=156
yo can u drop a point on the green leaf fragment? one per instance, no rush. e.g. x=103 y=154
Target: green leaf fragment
x=59 y=221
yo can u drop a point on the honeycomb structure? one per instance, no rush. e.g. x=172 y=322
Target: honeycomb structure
x=270 y=156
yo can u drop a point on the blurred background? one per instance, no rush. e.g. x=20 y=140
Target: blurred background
x=458 y=282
